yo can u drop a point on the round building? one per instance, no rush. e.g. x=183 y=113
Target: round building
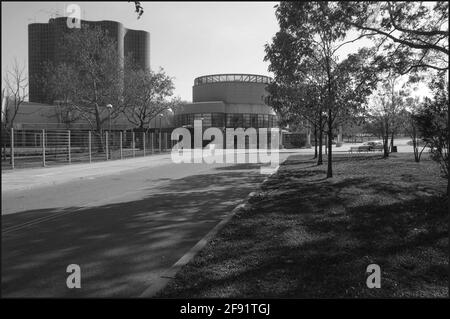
x=228 y=101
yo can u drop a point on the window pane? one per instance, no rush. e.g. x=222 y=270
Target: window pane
x=246 y=122
x=254 y=120
x=266 y=120
x=260 y=120
x=207 y=119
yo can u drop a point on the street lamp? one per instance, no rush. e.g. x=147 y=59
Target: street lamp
x=109 y=107
x=160 y=129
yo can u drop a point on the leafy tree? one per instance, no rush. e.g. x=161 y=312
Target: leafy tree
x=146 y=94
x=59 y=86
x=414 y=133
x=385 y=113
x=90 y=78
x=297 y=105
x=304 y=53
x=412 y=34
x=432 y=122
x=138 y=8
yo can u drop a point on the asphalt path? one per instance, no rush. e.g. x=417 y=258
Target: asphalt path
x=124 y=229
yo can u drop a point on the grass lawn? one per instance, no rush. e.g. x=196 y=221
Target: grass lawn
x=305 y=236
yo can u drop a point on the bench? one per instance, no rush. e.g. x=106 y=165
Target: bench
x=363 y=148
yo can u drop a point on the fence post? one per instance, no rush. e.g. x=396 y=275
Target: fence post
x=152 y=141
x=143 y=141
x=159 y=141
x=165 y=141
x=12 y=148
x=132 y=143
x=120 y=144
x=89 y=144
x=106 y=144
x=43 y=147
x=68 y=146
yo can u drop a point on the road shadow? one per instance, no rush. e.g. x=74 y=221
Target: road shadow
x=121 y=248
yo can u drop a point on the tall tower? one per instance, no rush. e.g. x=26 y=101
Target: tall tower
x=44 y=38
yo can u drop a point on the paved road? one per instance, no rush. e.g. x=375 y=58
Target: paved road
x=123 y=227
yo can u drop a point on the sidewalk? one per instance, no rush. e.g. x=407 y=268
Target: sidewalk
x=28 y=178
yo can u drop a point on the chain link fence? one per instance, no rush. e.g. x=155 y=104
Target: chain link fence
x=47 y=147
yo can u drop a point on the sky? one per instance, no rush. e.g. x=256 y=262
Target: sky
x=188 y=39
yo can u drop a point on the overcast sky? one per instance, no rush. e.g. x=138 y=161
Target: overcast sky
x=188 y=39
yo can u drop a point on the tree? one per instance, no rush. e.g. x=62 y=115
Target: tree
x=16 y=87
x=58 y=84
x=146 y=95
x=385 y=113
x=413 y=35
x=138 y=8
x=90 y=78
x=407 y=117
x=304 y=51
x=432 y=122
x=297 y=105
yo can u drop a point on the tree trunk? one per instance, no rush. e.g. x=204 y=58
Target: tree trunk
x=386 y=140
x=392 y=140
x=415 y=146
x=315 y=140
x=330 y=145
x=319 y=159
x=99 y=133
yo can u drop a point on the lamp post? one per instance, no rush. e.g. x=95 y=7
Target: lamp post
x=161 y=115
x=109 y=107
x=160 y=134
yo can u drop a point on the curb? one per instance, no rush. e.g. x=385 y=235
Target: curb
x=168 y=275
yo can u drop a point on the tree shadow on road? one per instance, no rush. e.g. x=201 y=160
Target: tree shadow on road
x=122 y=247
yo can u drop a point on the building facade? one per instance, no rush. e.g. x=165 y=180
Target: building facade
x=228 y=100
x=44 y=40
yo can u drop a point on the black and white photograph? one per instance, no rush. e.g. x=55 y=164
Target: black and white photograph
x=225 y=156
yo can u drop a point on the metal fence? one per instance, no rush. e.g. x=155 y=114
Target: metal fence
x=31 y=148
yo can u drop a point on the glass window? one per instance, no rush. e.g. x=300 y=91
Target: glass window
x=266 y=120
x=207 y=119
x=228 y=120
x=246 y=120
x=234 y=120
x=237 y=120
x=254 y=120
x=217 y=119
x=260 y=120
x=275 y=121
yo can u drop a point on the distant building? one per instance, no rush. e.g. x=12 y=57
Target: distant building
x=228 y=100
x=44 y=39
x=37 y=116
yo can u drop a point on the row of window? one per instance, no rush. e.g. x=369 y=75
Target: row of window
x=232 y=78
x=234 y=120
